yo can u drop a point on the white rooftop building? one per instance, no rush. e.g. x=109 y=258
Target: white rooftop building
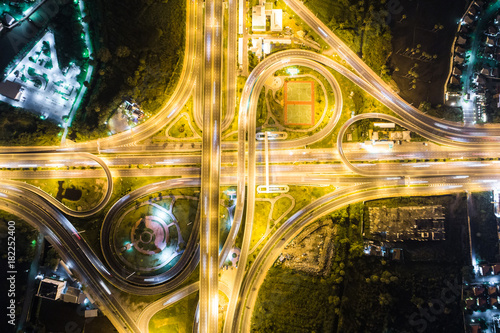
x=266 y=46
x=258 y=18
x=277 y=20
x=257 y=47
x=240 y=50
x=496 y=202
x=260 y=14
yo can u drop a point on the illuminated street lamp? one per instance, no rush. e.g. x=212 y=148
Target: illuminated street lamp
x=292 y=71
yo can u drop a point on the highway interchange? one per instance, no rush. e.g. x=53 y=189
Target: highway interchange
x=212 y=163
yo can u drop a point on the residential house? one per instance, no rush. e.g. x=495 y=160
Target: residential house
x=485 y=270
x=475 y=328
x=492 y=31
x=482 y=302
x=468 y=20
x=458 y=59
x=478 y=290
x=488 y=52
x=454 y=80
x=485 y=71
x=461 y=40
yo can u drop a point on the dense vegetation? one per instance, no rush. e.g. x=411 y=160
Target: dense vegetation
x=484 y=227
x=493 y=112
x=140 y=56
x=361 y=24
x=22 y=127
x=383 y=296
x=442 y=111
x=69 y=44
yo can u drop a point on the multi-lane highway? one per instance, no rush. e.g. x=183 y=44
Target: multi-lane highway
x=454 y=130
x=33 y=158
x=201 y=79
x=210 y=168
x=72 y=249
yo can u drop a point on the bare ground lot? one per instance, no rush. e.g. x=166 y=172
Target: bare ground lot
x=417 y=28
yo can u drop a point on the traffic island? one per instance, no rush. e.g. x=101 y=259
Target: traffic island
x=149 y=237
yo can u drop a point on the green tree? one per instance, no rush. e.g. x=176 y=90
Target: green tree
x=122 y=51
x=104 y=55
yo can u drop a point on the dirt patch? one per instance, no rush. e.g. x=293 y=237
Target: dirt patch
x=312 y=250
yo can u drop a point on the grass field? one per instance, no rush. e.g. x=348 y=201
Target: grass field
x=299 y=103
x=299 y=114
x=90 y=189
x=185 y=212
x=280 y=207
x=181 y=129
x=299 y=91
x=176 y=318
x=262 y=209
x=224 y=225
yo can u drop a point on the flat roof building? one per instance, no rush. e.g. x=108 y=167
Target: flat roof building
x=258 y=18
x=91 y=313
x=240 y=50
x=384 y=125
x=73 y=295
x=51 y=289
x=11 y=90
x=277 y=20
